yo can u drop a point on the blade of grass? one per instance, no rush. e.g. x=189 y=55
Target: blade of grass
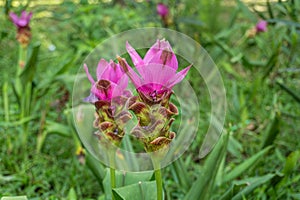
x=202 y=186
x=240 y=169
x=289 y=91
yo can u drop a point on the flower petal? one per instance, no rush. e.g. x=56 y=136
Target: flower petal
x=91 y=98
x=165 y=57
x=22 y=22
x=136 y=80
x=158 y=75
x=135 y=57
x=178 y=77
x=14 y=18
x=102 y=65
x=23 y=14
x=29 y=16
x=158 y=46
x=88 y=74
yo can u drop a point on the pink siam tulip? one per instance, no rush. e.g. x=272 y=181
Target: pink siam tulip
x=22 y=24
x=108 y=94
x=157 y=71
x=162 y=10
x=22 y=21
x=110 y=83
x=261 y=26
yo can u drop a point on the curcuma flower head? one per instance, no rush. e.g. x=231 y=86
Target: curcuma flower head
x=110 y=83
x=157 y=75
x=22 y=21
x=22 y=24
x=261 y=26
x=109 y=95
x=157 y=72
x=162 y=10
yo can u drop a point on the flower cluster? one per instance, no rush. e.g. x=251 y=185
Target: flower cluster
x=155 y=77
x=22 y=24
x=109 y=95
x=260 y=27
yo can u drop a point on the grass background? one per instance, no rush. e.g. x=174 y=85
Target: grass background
x=260 y=73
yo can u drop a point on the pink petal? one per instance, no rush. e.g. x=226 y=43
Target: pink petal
x=88 y=74
x=178 y=77
x=23 y=14
x=123 y=82
x=112 y=72
x=165 y=57
x=158 y=46
x=158 y=74
x=22 y=22
x=29 y=16
x=102 y=65
x=136 y=80
x=14 y=18
x=135 y=57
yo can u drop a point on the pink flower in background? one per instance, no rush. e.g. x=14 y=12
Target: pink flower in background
x=157 y=70
x=162 y=10
x=110 y=83
x=22 y=21
x=261 y=26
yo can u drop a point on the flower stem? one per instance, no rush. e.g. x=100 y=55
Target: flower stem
x=113 y=178
x=112 y=172
x=159 y=188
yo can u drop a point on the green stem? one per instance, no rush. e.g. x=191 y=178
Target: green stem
x=6 y=101
x=159 y=188
x=21 y=59
x=113 y=177
x=112 y=172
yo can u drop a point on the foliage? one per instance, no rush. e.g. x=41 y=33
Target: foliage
x=256 y=158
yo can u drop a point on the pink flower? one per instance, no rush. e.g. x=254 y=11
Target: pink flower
x=22 y=21
x=157 y=71
x=162 y=10
x=110 y=83
x=261 y=26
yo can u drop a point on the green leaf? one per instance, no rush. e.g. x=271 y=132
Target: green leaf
x=96 y=167
x=124 y=179
x=271 y=15
x=235 y=147
x=139 y=191
x=252 y=183
x=289 y=91
x=272 y=132
x=27 y=74
x=234 y=188
x=205 y=181
x=246 y=11
x=229 y=69
x=57 y=128
x=272 y=60
x=72 y=194
x=65 y=65
x=181 y=174
x=14 y=198
x=295 y=196
x=240 y=169
x=291 y=162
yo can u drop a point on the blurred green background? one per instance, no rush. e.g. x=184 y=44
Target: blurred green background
x=260 y=71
